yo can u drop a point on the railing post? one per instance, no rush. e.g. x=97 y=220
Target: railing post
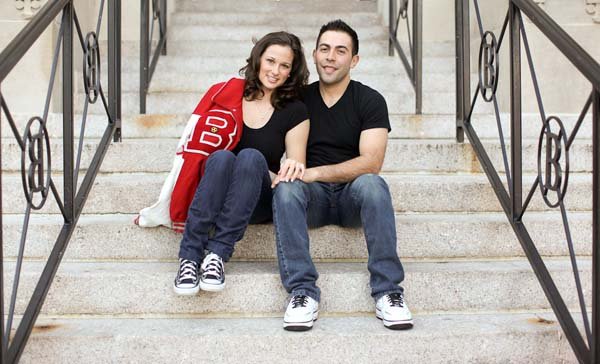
x=114 y=64
x=391 y=25
x=68 y=138
x=516 y=189
x=164 y=13
x=595 y=344
x=417 y=60
x=144 y=53
x=463 y=66
x=3 y=340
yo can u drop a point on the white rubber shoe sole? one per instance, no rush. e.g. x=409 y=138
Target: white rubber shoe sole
x=186 y=291
x=394 y=324
x=210 y=287
x=301 y=326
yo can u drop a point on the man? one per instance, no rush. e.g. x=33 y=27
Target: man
x=346 y=148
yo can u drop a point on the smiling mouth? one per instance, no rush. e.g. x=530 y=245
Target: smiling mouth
x=329 y=68
x=272 y=79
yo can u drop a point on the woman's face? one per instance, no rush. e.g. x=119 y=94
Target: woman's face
x=275 y=66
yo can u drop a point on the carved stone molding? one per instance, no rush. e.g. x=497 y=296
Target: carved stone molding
x=592 y=7
x=28 y=8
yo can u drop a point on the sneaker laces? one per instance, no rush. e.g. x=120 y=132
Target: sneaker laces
x=395 y=299
x=213 y=266
x=299 y=301
x=188 y=269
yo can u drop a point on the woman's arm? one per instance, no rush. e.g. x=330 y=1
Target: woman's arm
x=295 y=151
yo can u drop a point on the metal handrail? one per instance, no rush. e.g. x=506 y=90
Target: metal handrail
x=147 y=63
x=414 y=68
x=36 y=166
x=553 y=149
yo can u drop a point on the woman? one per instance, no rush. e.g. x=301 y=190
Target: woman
x=235 y=188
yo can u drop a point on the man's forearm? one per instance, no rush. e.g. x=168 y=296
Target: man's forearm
x=343 y=172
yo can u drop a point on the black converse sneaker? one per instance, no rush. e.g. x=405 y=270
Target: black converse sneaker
x=212 y=273
x=186 y=281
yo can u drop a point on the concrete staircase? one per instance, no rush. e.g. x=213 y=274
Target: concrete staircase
x=473 y=294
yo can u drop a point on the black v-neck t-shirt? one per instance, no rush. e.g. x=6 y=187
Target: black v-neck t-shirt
x=270 y=139
x=335 y=132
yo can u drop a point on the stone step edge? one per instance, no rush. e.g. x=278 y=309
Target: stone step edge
x=493 y=337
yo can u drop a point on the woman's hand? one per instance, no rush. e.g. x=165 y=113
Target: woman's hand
x=290 y=170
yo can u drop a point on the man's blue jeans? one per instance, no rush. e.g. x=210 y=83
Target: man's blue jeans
x=233 y=192
x=365 y=201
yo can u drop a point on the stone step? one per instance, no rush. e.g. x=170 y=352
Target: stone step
x=110 y=288
x=457 y=338
x=276 y=7
x=308 y=34
x=420 y=236
x=190 y=66
x=403 y=155
x=130 y=192
x=426 y=126
x=402 y=102
x=241 y=48
x=310 y=18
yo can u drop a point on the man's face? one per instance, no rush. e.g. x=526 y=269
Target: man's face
x=333 y=57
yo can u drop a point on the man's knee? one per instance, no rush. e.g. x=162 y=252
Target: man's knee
x=370 y=187
x=289 y=193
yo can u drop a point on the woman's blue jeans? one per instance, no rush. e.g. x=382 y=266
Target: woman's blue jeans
x=365 y=202
x=233 y=192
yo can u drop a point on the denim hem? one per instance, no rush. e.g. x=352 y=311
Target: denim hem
x=379 y=295
x=220 y=249
x=193 y=257
x=313 y=295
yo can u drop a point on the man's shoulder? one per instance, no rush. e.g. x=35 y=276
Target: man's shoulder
x=363 y=90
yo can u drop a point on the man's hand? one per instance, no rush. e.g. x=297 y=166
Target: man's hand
x=290 y=171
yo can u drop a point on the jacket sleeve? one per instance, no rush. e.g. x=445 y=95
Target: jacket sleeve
x=158 y=213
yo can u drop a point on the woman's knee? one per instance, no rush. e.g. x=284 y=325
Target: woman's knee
x=251 y=160
x=221 y=156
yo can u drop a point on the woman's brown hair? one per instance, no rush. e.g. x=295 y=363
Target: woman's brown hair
x=298 y=78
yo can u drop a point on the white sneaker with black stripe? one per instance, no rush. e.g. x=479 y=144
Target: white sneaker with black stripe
x=392 y=310
x=212 y=273
x=300 y=314
x=186 y=280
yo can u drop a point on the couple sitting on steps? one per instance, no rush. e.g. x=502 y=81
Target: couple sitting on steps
x=227 y=172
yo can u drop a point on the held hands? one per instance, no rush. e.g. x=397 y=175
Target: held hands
x=290 y=171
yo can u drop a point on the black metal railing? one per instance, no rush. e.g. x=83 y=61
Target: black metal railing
x=554 y=147
x=398 y=10
x=147 y=63
x=34 y=143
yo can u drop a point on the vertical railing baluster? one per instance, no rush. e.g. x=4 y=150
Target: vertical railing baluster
x=114 y=64
x=391 y=26
x=3 y=340
x=68 y=137
x=144 y=53
x=163 y=20
x=516 y=189
x=595 y=344
x=463 y=66
x=417 y=60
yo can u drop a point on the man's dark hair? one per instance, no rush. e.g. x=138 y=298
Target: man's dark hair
x=298 y=78
x=339 y=25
